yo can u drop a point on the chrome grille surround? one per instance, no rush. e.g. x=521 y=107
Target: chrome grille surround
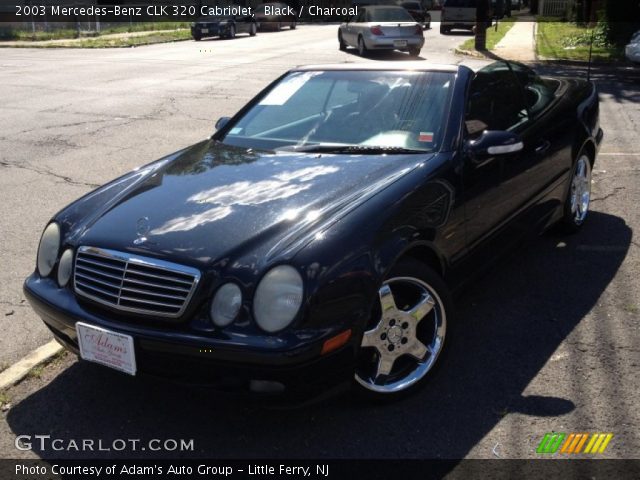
x=132 y=283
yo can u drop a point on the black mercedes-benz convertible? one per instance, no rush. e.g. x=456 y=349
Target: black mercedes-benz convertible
x=314 y=241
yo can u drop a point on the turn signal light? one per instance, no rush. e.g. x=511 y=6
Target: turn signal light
x=336 y=342
x=377 y=31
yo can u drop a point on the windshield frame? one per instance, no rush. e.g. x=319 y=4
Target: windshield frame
x=443 y=145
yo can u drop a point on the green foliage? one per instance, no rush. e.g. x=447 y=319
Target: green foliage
x=617 y=14
x=568 y=41
x=583 y=39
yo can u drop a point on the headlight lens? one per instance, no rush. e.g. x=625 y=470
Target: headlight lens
x=64 y=267
x=226 y=304
x=278 y=298
x=48 y=249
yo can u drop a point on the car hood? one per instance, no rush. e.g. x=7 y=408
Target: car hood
x=213 y=201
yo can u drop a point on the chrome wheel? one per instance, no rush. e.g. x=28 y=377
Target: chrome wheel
x=580 y=195
x=409 y=335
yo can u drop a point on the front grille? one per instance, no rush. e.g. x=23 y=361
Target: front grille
x=134 y=284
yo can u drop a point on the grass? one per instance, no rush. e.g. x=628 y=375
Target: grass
x=28 y=35
x=7 y=33
x=104 y=42
x=555 y=40
x=4 y=398
x=36 y=372
x=493 y=35
x=145 y=27
x=157 y=37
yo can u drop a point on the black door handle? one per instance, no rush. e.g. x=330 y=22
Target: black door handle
x=543 y=147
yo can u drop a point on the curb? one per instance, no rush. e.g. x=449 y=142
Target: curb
x=469 y=53
x=21 y=368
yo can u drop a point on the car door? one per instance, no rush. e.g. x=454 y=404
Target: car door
x=352 y=31
x=494 y=102
x=241 y=24
x=548 y=137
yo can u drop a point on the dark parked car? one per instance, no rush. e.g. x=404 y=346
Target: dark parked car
x=316 y=238
x=223 y=26
x=274 y=16
x=418 y=13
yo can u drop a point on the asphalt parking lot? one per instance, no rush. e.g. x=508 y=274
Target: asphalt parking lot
x=548 y=341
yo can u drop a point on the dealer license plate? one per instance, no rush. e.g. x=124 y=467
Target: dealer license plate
x=399 y=43
x=106 y=347
x=205 y=30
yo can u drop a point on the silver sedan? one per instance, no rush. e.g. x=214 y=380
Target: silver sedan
x=381 y=28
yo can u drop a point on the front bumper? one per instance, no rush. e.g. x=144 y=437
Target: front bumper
x=195 y=359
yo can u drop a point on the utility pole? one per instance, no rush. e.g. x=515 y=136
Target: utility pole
x=482 y=21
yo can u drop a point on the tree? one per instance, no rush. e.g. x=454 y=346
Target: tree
x=482 y=22
x=621 y=17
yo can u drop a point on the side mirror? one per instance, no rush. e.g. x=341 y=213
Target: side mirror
x=495 y=142
x=222 y=121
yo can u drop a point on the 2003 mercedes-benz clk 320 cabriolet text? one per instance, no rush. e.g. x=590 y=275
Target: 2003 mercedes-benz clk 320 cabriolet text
x=313 y=241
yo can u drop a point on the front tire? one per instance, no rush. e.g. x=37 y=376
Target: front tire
x=293 y=25
x=576 y=206
x=444 y=30
x=232 y=32
x=341 y=45
x=406 y=335
x=253 y=30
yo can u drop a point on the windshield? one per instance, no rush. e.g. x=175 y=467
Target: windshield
x=388 y=14
x=411 y=6
x=357 y=108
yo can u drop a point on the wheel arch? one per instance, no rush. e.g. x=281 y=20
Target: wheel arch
x=425 y=253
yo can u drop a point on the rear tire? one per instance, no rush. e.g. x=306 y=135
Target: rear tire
x=414 y=52
x=293 y=25
x=253 y=30
x=197 y=38
x=444 y=31
x=403 y=343
x=232 y=32
x=362 y=48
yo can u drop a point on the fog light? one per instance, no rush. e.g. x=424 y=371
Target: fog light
x=226 y=304
x=65 y=267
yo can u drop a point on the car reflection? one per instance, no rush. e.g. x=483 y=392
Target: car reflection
x=244 y=193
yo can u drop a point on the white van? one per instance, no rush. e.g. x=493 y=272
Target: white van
x=458 y=14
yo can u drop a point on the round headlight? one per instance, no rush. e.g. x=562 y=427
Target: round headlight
x=226 y=304
x=48 y=249
x=64 y=267
x=278 y=298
